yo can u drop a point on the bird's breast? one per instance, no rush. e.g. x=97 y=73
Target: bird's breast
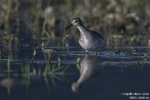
x=88 y=42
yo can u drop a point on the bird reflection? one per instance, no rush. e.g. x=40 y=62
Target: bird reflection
x=88 y=68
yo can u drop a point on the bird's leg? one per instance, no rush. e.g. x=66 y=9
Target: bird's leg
x=96 y=53
x=86 y=52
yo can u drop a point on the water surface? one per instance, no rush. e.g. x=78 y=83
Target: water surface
x=70 y=74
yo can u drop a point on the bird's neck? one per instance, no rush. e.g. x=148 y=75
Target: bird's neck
x=82 y=29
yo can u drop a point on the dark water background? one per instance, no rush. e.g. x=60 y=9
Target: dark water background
x=114 y=73
x=120 y=70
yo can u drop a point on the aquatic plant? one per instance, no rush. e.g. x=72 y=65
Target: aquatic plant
x=59 y=61
x=78 y=61
x=34 y=53
x=136 y=40
x=121 y=66
x=44 y=27
x=143 y=60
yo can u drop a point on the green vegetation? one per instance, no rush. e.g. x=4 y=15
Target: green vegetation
x=46 y=18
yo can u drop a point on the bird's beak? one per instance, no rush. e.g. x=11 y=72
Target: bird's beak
x=68 y=26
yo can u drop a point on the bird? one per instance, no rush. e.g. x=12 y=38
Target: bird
x=89 y=68
x=89 y=40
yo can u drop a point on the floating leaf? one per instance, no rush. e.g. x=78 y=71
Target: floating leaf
x=8 y=82
x=48 y=51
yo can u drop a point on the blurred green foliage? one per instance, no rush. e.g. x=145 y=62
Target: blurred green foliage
x=30 y=14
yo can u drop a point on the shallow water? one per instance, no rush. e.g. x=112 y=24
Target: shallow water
x=70 y=74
